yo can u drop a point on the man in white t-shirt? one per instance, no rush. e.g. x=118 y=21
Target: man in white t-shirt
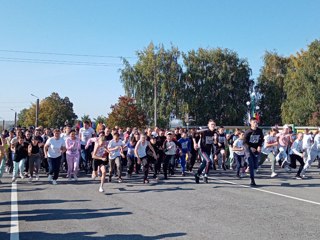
x=85 y=133
x=306 y=144
x=115 y=148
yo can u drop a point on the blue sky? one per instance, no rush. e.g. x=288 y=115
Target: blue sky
x=120 y=28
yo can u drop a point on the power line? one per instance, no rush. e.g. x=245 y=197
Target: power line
x=49 y=61
x=63 y=54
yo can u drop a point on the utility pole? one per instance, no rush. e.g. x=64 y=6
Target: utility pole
x=37 y=109
x=15 y=117
x=155 y=92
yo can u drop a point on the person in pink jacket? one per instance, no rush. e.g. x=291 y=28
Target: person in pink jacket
x=73 y=154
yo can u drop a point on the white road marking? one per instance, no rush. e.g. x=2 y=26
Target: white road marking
x=14 y=229
x=266 y=191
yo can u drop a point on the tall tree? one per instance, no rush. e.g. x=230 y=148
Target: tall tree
x=302 y=84
x=216 y=85
x=126 y=113
x=270 y=86
x=156 y=73
x=54 y=111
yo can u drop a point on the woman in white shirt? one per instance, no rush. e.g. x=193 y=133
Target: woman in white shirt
x=53 y=149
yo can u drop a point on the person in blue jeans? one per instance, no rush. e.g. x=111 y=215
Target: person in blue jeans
x=53 y=150
x=185 y=150
x=253 y=140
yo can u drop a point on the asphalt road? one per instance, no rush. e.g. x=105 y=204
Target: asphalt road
x=225 y=208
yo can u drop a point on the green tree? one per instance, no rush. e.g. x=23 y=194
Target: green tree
x=302 y=83
x=100 y=119
x=85 y=118
x=54 y=111
x=271 y=88
x=216 y=85
x=22 y=115
x=156 y=66
x=126 y=113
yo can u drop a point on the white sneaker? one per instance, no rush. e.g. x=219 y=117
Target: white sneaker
x=75 y=178
x=50 y=178
x=54 y=182
x=101 y=189
x=274 y=174
x=37 y=177
x=14 y=179
x=21 y=175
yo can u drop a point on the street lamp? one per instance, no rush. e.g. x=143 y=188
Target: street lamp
x=3 y=123
x=15 y=117
x=37 y=110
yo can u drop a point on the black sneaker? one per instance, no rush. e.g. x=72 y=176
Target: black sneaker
x=196 y=178
x=224 y=167
x=253 y=183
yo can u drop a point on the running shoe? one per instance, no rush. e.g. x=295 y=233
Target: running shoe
x=37 y=177
x=50 y=178
x=101 y=189
x=274 y=174
x=75 y=178
x=54 y=182
x=197 y=178
x=120 y=180
x=298 y=177
x=253 y=183
x=287 y=168
x=13 y=179
x=205 y=178
x=224 y=167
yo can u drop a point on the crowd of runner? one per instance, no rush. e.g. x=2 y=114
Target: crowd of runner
x=118 y=153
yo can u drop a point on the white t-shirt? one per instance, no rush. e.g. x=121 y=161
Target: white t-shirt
x=55 y=145
x=307 y=141
x=269 y=139
x=115 y=153
x=85 y=135
x=239 y=144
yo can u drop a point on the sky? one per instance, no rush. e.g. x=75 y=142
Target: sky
x=99 y=32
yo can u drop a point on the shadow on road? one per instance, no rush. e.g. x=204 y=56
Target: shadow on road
x=64 y=214
x=46 y=201
x=158 y=190
x=88 y=236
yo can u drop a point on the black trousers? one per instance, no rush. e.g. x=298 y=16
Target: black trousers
x=294 y=158
x=168 y=164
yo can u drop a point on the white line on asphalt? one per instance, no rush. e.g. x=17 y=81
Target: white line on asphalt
x=270 y=192
x=14 y=228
